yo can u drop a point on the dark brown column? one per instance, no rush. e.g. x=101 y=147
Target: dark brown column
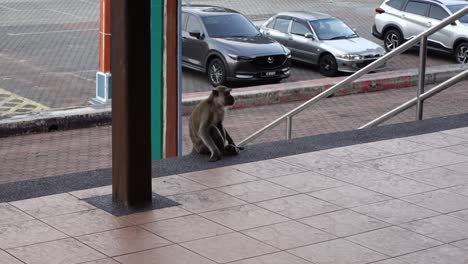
x=172 y=115
x=131 y=85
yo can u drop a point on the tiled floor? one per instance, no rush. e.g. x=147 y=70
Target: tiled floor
x=402 y=201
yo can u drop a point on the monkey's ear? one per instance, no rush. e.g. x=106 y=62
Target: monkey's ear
x=215 y=92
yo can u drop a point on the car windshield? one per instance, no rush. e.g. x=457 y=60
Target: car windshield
x=455 y=8
x=332 y=28
x=229 y=26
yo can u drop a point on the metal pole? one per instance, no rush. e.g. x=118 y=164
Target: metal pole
x=131 y=138
x=288 y=127
x=422 y=77
x=439 y=88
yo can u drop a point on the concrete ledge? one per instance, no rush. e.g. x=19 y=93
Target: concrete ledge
x=96 y=115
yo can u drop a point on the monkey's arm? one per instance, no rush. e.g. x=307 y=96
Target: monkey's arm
x=229 y=139
x=204 y=134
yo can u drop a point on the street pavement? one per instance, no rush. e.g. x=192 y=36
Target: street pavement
x=58 y=153
x=49 y=48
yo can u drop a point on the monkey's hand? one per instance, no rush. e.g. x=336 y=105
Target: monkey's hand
x=215 y=156
x=232 y=149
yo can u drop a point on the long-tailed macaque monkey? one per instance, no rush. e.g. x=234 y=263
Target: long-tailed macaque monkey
x=206 y=125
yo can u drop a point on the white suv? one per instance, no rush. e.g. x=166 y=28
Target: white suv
x=399 y=20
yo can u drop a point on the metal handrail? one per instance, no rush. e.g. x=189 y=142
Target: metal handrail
x=439 y=88
x=412 y=42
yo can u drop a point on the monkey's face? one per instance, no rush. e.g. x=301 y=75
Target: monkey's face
x=222 y=96
x=228 y=98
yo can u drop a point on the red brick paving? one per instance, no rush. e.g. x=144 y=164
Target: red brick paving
x=43 y=155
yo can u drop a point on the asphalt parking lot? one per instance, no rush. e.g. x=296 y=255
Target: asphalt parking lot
x=49 y=48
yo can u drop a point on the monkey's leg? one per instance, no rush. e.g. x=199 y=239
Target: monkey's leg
x=218 y=138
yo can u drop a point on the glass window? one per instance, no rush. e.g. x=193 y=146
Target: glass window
x=282 y=24
x=437 y=12
x=298 y=28
x=229 y=26
x=270 y=25
x=455 y=8
x=417 y=8
x=193 y=25
x=184 y=21
x=395 y=3
x=332 y=28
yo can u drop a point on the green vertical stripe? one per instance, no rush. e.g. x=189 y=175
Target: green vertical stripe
x=157 y=37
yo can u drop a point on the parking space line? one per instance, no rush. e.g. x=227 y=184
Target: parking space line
x=52 y=32
x=11 y=103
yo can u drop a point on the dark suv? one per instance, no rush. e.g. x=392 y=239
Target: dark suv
x=228 y=47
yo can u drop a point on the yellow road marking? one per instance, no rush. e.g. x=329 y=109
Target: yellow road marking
x=13 y=104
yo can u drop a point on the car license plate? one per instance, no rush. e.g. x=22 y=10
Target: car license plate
x=269 y=74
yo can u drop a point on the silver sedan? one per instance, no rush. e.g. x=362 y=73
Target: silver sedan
x=321 y=39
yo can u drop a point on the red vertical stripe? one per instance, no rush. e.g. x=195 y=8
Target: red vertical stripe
x=104 y=37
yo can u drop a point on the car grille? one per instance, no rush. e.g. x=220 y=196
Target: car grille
x=264 y=62
x=365 y=63
x=371 y=56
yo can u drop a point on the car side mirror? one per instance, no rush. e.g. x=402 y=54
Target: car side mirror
x=309 y=36
x=196 y=34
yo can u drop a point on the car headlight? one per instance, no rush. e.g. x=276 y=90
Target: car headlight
x=240 y=58
x=288 y=55
x=350 y=57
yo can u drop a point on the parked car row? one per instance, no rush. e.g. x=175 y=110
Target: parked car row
x=227 y=46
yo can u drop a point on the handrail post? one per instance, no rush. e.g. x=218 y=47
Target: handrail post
x=289 y=128
x=422 y=77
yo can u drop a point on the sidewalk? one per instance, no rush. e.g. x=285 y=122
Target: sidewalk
x=43 y=155
x=402 y=201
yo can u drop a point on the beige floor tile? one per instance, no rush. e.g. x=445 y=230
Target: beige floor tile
x=103 y=261
x=6 y=258
x=171 y=185
x=463 y=244
x=397 y=165
x=445 y=254
x=460 y=167
x=443 y=228
x=307 y=182
x=357 y=153
x=207 y=200
x=459 y=149
x=229 y=247
x=86 y=222
x=458 y=132
x=398 y=146
x=463 y=215
x=298 y=206
x=441 y=201
x=219 y=177
x=460 y=189
x=337 y=251
x=344 y=223
x=186 y=228
x=396 y=186
x=439 y=177
x=123 y=241
x=9 y=214
x=244 y=217
x=166 y=255
x=288 y=235
x=390 y=261
x=88 y=193
x=257 y=191
x=313 y=160
x=52 y=205
x=275 y=258
x=438 y=140
x=394 y=241
x=268 y=168
x=155 y=215
x=437 y=157
x=354 y=173
x=27 y=233
x=68 y=251
x=350 y=196
x=395 y=211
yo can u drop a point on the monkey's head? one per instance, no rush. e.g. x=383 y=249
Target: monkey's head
x=221 y=95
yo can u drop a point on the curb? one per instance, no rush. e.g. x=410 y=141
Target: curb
x=97 y=115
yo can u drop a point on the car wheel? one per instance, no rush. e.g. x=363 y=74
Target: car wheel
x=328 y=66
x=461 y=53
x=392 y=39
x=217 y=72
